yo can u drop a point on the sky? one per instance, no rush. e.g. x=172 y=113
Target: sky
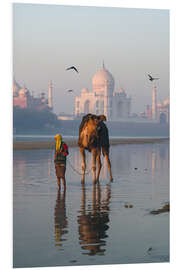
x=132 y=43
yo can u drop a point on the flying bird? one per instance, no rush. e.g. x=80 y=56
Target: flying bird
x=69 y=90
x=151 y=78
x=72 y=68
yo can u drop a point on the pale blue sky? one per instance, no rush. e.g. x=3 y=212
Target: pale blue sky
x=49 y=38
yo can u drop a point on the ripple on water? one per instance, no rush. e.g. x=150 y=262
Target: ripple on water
x=87 y=222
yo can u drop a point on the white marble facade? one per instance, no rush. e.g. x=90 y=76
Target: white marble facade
x=103 y=99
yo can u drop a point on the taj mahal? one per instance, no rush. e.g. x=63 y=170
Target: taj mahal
x=103 y=99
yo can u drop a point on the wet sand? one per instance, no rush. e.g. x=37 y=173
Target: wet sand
x=119 y=222
x=30 y=145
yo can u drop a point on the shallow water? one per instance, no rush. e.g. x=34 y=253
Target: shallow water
x=91 y=224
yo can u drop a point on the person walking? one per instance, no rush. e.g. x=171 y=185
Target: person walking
x=61 y=152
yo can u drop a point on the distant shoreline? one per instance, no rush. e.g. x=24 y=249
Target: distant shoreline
x=37 y=145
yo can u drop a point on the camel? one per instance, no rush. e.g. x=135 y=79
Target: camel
x=94 y=137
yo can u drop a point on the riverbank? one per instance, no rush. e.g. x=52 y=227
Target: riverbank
x=72 y=142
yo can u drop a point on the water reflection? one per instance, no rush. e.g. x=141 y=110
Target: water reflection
x=93 y=221
x=60 y=219
x=123 y=157
x=159 y=168
x=149 y=157
x=24 y=161
x=101 y=209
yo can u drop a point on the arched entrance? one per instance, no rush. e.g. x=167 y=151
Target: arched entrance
x=86 y=106
x=120 y=109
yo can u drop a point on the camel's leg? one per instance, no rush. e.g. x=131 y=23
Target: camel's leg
x=83 y=164
x=99 y=165
x=94 y=154
x=109 y=166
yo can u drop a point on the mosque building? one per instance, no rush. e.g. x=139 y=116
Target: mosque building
x=23 y=98
x=103 y=99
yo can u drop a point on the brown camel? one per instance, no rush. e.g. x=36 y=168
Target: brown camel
x=94 y=137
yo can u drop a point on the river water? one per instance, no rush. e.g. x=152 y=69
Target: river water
x=109 y=223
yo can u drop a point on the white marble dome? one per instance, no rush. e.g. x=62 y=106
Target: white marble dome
x=103 y=78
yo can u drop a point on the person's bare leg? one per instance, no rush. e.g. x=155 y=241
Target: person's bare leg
x=59 y=183
x=64 y=183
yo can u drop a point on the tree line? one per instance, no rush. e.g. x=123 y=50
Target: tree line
x=32 y=120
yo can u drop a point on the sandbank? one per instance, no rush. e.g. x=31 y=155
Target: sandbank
x=37 y=145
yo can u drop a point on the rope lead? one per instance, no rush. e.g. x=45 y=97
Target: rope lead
x=72 y=167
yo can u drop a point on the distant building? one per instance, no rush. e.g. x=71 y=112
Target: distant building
x=103 y=99
x=22 y=98
x=148 y=112
x=162 y=111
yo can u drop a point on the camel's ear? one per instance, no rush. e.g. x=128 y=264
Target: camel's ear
x=102 y=117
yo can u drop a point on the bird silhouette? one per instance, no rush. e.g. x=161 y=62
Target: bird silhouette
x=151 y=78
x=72 y=68
x=69 y=90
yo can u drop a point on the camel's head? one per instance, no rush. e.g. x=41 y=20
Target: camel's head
x=88 y=137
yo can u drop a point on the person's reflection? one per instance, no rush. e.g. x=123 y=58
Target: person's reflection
x=93 y=222
x=60 y=218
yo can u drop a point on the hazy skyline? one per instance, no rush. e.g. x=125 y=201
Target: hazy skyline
x=132 y=42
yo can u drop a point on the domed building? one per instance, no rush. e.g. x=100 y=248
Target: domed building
x=23 y=99
x=103 y=99
x=16 y=88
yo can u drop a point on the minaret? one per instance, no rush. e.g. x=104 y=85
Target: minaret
x=107 y=99
x=50 y=99
x=107 y=104
x=103 y=65
x=154 y=102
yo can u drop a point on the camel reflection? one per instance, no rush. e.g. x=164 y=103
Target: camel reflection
x=93 y=221
x=60 y=219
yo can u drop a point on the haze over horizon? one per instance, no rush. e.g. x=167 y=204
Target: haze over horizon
x=132 y=42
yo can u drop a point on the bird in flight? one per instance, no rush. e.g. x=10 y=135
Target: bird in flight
x=69 y=90
x=72 y=68
x=151 y=78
